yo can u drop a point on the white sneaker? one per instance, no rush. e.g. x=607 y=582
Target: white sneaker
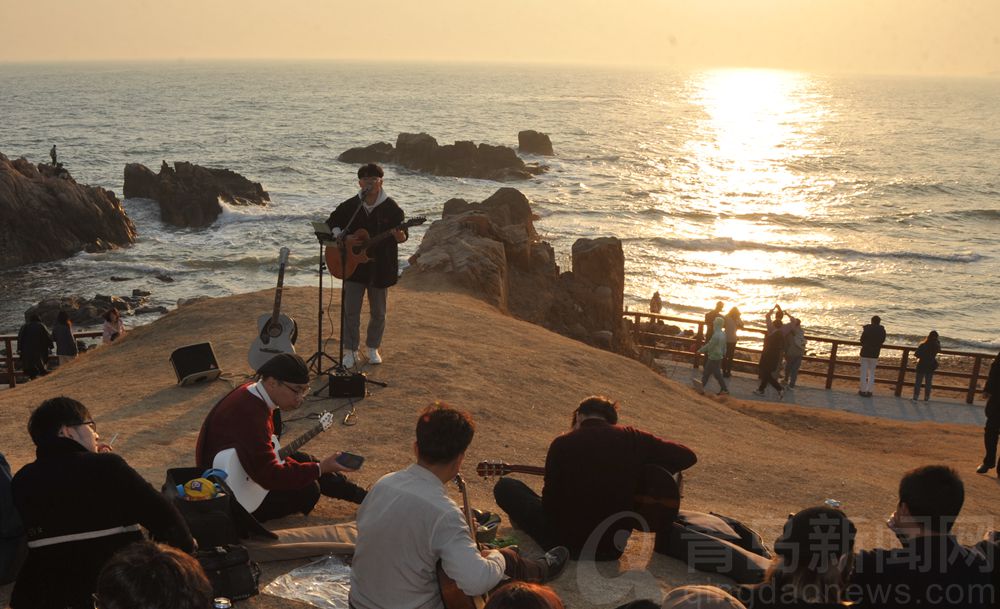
x=373 y=356
x=350 y=358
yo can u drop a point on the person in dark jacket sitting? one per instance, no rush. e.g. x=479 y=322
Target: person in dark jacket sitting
x=931 y=569
x=592 y=474
x=80 y=504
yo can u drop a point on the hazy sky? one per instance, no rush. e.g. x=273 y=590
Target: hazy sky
x=882 y=36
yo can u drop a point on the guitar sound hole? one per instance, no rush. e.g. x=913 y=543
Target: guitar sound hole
x=274 y=331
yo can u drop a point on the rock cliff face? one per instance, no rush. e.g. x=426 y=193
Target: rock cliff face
x=189 y=194
x=491 y=249
x=421 y=152
x=45 y=215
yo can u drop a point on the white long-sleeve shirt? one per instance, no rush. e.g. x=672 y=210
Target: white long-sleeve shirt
x=405 y=525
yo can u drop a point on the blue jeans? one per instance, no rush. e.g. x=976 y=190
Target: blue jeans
x=924 y=377
x=792 y=365
x=354 y=294
x=713 y=367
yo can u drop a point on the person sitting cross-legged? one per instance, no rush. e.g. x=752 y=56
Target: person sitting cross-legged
x=80 y=504
x=931 y=569
x=593 y=473
x=408 y=526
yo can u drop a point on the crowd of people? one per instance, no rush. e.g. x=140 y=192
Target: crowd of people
x=411 y=536
x=35 y=341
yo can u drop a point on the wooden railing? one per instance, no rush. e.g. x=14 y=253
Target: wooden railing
x=969 y=365
x=11 y=360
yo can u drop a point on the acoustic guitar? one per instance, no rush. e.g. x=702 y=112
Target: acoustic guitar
x=247 y=492
x=356 y=246
x=276 y=332
x=453 y=596
x=657 y=500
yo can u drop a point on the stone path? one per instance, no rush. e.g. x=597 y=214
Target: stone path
x=810 y=393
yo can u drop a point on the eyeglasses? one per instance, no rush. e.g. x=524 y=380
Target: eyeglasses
x=300 y=390
x=91 y=423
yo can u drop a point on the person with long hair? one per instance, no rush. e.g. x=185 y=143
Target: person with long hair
x=813 y=560
x=114 y=327
x=62 y=334
x=733 y=323
x=926 y=364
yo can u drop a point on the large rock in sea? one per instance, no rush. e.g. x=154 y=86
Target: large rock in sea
x=45 y=215
x=491 y=250
x=189 y=194
x=421 y=152
x=534 y=142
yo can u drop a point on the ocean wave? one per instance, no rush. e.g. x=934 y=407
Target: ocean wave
x=235 y=214
x=789 y=281
x=733 y=245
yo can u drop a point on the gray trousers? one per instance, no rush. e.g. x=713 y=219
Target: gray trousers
x=354 y=294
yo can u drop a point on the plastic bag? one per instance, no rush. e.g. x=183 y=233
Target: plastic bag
x=324 y=583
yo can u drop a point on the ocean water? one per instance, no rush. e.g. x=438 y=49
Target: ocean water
x=837 y=197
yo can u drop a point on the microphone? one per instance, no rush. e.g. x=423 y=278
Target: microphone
x=365 y=190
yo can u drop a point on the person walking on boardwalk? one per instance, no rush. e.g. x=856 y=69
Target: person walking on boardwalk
x=62 y=334
x=715 y=350
x=770 y=356
x=991 y=393
x=926 y=364
x=733 y=323
x=872 y=339
x=795 y=350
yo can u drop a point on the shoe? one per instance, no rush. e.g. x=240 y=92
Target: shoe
x=758 y=392
x=555 y=561
x=982 y=469
x=350 y=358
x=781 y=395
x=373 y=356
x=913 y=399
x=723 y=392
x=863 y=394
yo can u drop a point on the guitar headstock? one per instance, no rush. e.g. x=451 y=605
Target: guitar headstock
x=492 y=469
x=413 y=222
x=326 y=419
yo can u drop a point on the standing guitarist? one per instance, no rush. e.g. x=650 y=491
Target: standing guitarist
x=408 y=526
x=371 y=209
x=244 y=420
x=592 y=475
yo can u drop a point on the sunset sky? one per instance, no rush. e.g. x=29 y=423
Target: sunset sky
x=870 y=36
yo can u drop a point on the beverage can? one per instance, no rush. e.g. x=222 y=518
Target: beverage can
x=833 y=503
x=222 y=602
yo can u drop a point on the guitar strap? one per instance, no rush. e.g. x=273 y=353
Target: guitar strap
x=279 y=426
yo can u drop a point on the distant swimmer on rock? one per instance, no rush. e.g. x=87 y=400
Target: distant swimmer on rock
x=52 y=153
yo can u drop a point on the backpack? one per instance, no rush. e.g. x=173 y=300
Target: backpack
x=13 y=544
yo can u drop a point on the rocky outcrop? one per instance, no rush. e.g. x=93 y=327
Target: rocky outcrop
x=85 y=312
x=189 y=194
x=421 y=152
x=491 y=249
x=534 y=142
x=46 y=215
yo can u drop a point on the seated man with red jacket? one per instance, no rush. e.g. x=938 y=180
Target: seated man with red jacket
x=244 y=420
x=592 y=475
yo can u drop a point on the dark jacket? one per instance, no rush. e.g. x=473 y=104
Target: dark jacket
x=69 y=490
x=65 y=343
x=920 y=575
x=592 y=473
x=872 y=339
x=383 y=270
x=770 y=354
x=34 y=343
x=993 y=388
x=927 y=355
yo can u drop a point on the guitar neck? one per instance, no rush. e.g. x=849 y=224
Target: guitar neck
x=277 y=295
x=467 y=509
x=298 y=442
x=533 y=470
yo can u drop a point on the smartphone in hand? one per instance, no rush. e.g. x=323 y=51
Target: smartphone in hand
x=350 y=460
